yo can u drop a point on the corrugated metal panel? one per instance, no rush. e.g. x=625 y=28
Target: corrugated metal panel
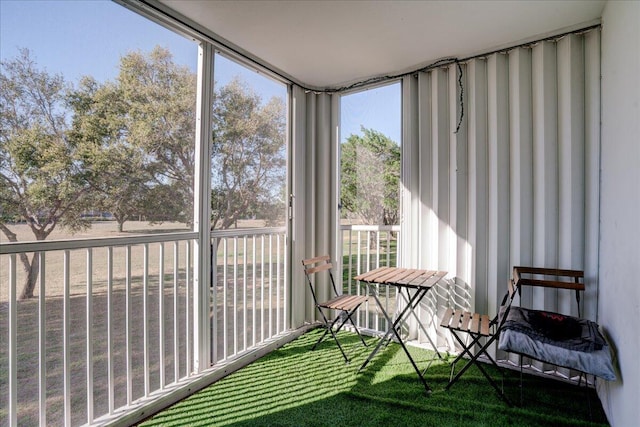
x=517 y=184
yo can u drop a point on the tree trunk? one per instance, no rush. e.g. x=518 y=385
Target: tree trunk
x=31 y=269
x=373 y=240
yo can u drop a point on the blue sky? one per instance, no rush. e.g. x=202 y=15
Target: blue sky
x=77 y=38
x=377 y=108
x=88 y=37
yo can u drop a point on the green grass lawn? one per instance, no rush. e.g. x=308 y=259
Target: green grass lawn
x=294 y=386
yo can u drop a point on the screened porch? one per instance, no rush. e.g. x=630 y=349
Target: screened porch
x=516 y=149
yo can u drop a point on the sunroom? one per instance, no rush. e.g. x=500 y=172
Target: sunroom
x=518 y=146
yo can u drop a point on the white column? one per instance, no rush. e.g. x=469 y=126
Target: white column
x=300 y=221
x=202 y=210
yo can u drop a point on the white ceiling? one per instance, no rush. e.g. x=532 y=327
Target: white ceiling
x=324 y=44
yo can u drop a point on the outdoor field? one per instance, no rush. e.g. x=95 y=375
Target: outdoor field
x=238 y=281
x=144 y=314
x=78 y=274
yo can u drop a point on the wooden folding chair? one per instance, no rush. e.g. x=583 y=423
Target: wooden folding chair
x=344 y=306
x=479 y=327
x=538 y=334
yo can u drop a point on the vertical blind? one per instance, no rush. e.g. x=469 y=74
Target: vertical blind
x=500 y=168
x=315 y=186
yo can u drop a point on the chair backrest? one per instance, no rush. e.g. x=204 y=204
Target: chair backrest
x=316 y=265
x=505 y=305
x=549 y=278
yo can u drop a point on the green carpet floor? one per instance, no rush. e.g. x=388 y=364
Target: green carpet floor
x=294 y=386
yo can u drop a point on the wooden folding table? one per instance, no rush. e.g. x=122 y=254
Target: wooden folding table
x=407 y=280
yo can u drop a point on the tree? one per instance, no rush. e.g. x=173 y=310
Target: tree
x=160 y=98
x=137 y=138
x=130 y=148
x=115 y=170
x=370 y=178
x=248 y=156
x=40 y=181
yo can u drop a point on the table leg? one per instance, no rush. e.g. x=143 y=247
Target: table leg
x=382 y=340
x=420 y=325
x=410 y=304
x=393 y=329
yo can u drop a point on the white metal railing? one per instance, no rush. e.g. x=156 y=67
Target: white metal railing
x=112 y=322
x=249 y=289
x=366 y=247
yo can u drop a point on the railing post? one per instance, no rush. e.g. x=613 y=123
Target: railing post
x=121 y=319
x=202 y=209
x=13 y=344
x=366 y=260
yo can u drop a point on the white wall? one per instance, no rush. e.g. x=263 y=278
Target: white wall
x=619 y=301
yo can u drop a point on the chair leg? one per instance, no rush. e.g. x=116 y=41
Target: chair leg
x=329 y=329
x=465 y=350
x=521 y=383
x=335 y=337
x=326 y=331
x=355 y=327
x=586 y=390
x=474 y=361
